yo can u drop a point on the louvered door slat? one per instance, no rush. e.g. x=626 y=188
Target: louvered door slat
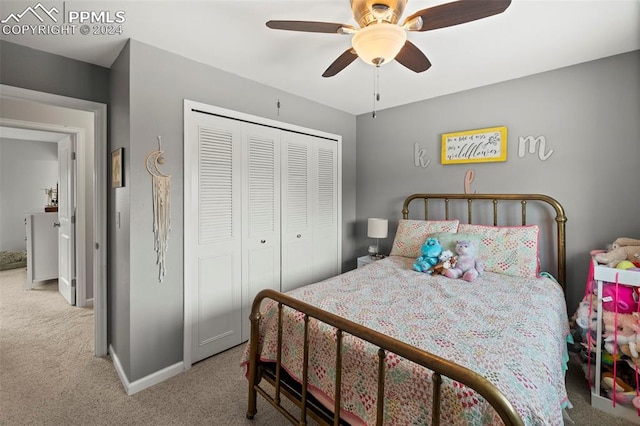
x=216 y=185
x=297 y=186
x=326 y=188
x=261 y=186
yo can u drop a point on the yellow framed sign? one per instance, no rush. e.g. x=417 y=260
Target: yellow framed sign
x=475 y=146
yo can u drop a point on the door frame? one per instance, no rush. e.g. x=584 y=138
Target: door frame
x=99 y=202
x=77 y=137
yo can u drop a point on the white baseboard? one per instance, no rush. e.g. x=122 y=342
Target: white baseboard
x=147 y=381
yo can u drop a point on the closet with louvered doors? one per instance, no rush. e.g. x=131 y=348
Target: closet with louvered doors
x=251 y=187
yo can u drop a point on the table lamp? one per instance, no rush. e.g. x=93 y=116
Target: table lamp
x=376 y=228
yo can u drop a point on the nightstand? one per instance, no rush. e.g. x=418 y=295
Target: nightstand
x=365 y=260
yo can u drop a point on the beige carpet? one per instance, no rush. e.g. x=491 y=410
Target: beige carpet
x=49 y=376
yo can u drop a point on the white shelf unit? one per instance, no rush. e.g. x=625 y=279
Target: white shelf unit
x=601 y=275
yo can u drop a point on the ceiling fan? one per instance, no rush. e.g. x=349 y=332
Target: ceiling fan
x=380 y=39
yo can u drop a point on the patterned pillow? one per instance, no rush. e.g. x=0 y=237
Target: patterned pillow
x=509 y=250
x=411 y=234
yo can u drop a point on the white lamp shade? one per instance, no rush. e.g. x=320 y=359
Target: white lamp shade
x=379 y=44
x=377 y=228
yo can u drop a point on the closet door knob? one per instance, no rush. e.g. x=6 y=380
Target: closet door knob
x=263 y=241
x=56 y=224
x=299 y=236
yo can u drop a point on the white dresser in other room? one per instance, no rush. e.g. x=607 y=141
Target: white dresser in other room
x=42 y=247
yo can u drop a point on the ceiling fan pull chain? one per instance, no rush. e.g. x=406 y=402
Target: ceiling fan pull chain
x=373 y=114
x=376 y=88
x=378 y=83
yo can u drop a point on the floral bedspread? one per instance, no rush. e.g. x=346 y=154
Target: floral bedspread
x=511 y=330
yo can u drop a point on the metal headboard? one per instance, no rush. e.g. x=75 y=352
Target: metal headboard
x=496 y=199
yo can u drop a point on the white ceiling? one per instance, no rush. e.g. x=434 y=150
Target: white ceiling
x=531 y=36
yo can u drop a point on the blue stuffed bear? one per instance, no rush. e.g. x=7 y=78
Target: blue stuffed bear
x=430 y=250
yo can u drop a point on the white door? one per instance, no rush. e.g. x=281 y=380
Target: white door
x=325 y=209
x=213 y=233
x=260 y=215
x=66 y=220
x=297 y=256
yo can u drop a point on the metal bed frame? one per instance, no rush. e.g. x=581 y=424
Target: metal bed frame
x=298 y=393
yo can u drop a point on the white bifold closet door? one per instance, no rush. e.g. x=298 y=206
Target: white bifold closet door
x=238 y=226
x=309 y=210
x=297 y=256
x=325 y=210
x=260 y=215
x=217 y=257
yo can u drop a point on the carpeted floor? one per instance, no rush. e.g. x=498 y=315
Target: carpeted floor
x=49 y=376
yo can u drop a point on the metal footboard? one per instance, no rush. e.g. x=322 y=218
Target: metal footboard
x=438 y=365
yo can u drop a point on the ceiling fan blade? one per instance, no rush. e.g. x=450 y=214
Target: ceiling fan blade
x=341 y=63
x=309 y=26
x=457 y=12
x=413 y=58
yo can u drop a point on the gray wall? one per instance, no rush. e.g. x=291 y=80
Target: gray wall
x=159 y=82
x=589 y=115
x=35 y=163
x=118 y=291
x=37 y=70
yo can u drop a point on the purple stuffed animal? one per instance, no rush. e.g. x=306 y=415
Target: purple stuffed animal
x=469 y=266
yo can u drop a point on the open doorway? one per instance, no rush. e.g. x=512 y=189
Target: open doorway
x=27 y=109
x=38 y=188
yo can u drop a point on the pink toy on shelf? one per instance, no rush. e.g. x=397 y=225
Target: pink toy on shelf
x=627 y=299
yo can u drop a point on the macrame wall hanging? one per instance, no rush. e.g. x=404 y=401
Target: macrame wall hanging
x=161 y=206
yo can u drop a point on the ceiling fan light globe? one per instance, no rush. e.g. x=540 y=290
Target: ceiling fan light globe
x=378 y=44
